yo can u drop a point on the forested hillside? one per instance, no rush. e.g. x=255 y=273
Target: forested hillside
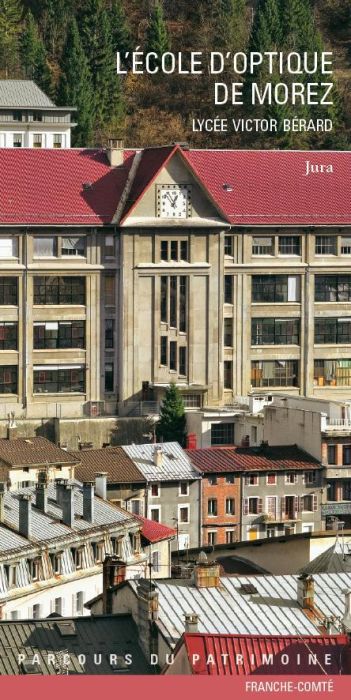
x=68 y=47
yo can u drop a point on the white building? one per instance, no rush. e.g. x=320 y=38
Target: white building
x=29 y=119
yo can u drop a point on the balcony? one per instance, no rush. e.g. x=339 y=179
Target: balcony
x=335 y=426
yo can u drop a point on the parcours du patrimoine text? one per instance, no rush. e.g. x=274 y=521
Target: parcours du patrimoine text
x=269 y=72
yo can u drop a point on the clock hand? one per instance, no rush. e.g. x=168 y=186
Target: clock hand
x=174 y=201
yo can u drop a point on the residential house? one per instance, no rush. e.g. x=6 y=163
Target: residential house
x=156 y=544
x=173 y=494
x=29 y=119
x=221 y=502
x=21 y=460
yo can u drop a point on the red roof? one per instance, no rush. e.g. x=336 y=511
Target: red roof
x=270 y=458
x=245 y=654
x=270 y=187
x=153 y=531
x=46 y=186
x=152 y=160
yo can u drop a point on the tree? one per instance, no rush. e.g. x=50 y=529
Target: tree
x=33 y=56
x=297 y=17
x=120 y=33
x=75 y=86
x=10 y=28
x=172 y=424
x=157 y=40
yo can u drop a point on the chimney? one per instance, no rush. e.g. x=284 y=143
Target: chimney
x=158 y=456
x=60 y=484
x=101 y=484
x=41 y=500
x=113 y=573
x=206 y=574
x=88 y=501
x=25 y=515
x=191 y=442
x=305 y=591
x=115 y=152
x=191 y=622
x=11 y=426
x=148 y=606
x=346 y=620
x=2 y=501
x=67 y=504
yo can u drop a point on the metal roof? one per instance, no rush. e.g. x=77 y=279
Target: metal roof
x=175 y=462
x=10 y=541
x=105 y=635
x=262 y=458
x=47 y=526
x=274 y=610
x=22 y=93
x=336 y=559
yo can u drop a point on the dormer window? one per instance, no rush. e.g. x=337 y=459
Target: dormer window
x=10 y=570
x=56 y=563
x=35 y=569
x=78 y=557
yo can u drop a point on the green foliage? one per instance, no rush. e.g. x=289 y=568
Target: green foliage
x=75 y=87
x=34 y=58
x=157 y=39
x=120 y=31
x=11 y=12
x=172 y=424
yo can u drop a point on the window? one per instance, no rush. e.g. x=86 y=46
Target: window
x=109 y=333
x=183 y=488
x=212 y=479
x=36 y=613
x=14 y=615
x=79 y=603
x=262 y=245
x=275 y=331
x=228 y=332
x=212 y=506
x=309 y=503
x=182 y=361
x=56 y=380
x=155 y=490
x=136 y=506
x=44 y=247
x=109 y=246
x=59 y=290
x=230 y=506
x=346 y=454
x=271 y=479
x=229 y=536
x=222 y=433
x=212 y=537
x=56 y=563
x=37 y=140
x=275 y=288
x=173 y=356
x=332 y=372
x=109 y=377
x=8 y=291
x=332 y=288
x=17 y=140
x=230 y=478
x=274 y=373
x=331 y=454
x=17 y=116
x=8 y=379
x=291 y=478
x=192 y=400
x=109 y=290
x=229 y=246
x=59 y=334
x=289 y=245
x=35 y=568
x=8 y=336
x=78 y=557
x=345 y=245
x=251 y=480
x=228 y=374
x=155 y=561
x=332 y=330
x=164 y=251
x=346 y=491
x=164 y=299
x=8 y=247
x=183 y=512
x=228 y=289
x=173 y=302
x=58 y=606
x=182 y=304
x=11 y=575
x=98 y=551
x=73 y=246
x=58 y=141
x=155 y=514
x=271 y=505
x=164 y=347
x=252 y=506
x=310 y=478
x=174 y=251
x=325 y=245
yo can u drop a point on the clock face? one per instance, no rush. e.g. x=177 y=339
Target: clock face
x=174 y=201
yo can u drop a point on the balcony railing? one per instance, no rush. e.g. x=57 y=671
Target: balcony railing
x=336 y=424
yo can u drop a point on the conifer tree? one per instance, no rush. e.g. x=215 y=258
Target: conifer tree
x=120 y=32
x=75 y=86
x=10 y=27
x=33 y=56
x=157 y=39
x=172 y=424
x=42 y=73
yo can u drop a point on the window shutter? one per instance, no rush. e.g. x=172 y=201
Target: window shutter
x=301 y=502
x=128 y=505
x=246 y=506
x=315 y=502
x=74 y=606
x=260 y=505
x=296 y=504
x=52 y=605
x=282 y=506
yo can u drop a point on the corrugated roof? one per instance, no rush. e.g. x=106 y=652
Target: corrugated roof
x=274 y=610
x=175 y=462
x=336 y=559
x=10 y=541
x=46 y=527
x=153 y=531
x=22 y=93
x=33 y=451
x=105 y=635
x=272 y=458
x=112 y=460
x=231 y=655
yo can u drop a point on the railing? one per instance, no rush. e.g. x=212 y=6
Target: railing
x=139 y=408
x=337 y=424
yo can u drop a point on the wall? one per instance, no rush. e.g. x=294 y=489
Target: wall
x=169 y=502
x=222 y=522
x=292 y=426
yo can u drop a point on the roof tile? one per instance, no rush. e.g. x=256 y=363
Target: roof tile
x=271 y=458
